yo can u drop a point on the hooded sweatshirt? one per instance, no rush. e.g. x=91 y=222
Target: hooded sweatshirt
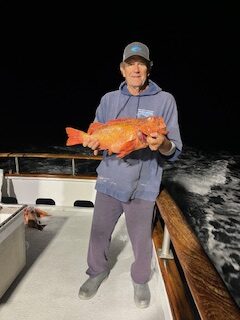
x=139 y=174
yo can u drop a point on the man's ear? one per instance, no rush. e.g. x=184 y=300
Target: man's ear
x=150 y=67
x=122 y=69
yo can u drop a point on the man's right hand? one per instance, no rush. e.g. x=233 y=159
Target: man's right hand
x=92 y=143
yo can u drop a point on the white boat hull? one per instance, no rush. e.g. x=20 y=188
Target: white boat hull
x=63 y=191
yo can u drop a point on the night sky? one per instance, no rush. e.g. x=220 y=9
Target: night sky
x=55 y=67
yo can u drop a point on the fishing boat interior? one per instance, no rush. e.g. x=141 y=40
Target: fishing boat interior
x=42 y=266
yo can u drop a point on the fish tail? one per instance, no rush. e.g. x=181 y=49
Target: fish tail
x=75 y=136
x=40 y=213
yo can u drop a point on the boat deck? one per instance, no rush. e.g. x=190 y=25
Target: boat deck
x=56 y=257
x=47 y=288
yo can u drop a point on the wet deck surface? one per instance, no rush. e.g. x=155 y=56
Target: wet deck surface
x=48 y=286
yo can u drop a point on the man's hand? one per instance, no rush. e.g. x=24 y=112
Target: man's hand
x=92 y=143
x=155 y=140
x=159 y=142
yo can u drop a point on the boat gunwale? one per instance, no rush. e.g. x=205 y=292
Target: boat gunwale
x=209 y=292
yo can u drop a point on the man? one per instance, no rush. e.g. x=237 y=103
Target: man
x=131 y=184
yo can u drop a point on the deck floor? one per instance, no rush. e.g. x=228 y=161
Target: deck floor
x=48 y=286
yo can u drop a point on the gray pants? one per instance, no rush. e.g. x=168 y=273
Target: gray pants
x=138 y=215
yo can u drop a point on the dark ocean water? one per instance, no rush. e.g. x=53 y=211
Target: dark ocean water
x=206 y=187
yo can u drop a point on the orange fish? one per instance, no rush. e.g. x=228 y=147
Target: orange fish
x=32 y=217
x=120 y=136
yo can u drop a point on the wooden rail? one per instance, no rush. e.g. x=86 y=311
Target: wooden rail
x=181 y=307
x=23 y=155
x=48 y=155
x=90 y=176
x=208 y=290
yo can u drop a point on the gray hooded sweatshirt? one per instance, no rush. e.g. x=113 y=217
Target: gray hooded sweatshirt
x=139 y=174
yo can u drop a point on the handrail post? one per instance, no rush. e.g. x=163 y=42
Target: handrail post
x=73 y=167
x=16 y=164
x=165 y=252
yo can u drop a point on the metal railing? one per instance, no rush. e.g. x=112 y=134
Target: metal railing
x=17 y=156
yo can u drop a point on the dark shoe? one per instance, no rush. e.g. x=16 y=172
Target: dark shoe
x=141 y=295
x=91 y=285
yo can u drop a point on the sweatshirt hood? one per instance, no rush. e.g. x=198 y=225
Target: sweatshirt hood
x=151 y=89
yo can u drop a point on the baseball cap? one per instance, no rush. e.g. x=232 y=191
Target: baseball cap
x=136 y=49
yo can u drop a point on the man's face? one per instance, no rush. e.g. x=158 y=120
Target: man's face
x=135 y=71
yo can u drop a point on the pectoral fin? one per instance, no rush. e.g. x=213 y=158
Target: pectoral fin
x=127 y=148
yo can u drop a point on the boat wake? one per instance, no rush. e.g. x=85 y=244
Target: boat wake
x=206 y=188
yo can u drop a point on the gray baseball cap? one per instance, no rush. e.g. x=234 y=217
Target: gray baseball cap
x=136 y=49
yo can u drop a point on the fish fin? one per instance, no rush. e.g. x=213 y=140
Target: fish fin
x=40 y=213
x=75 y=136
x=94 y=126
x=119 y=120
x=127 y=148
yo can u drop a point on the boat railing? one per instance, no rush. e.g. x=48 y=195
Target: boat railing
x=73 y=157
